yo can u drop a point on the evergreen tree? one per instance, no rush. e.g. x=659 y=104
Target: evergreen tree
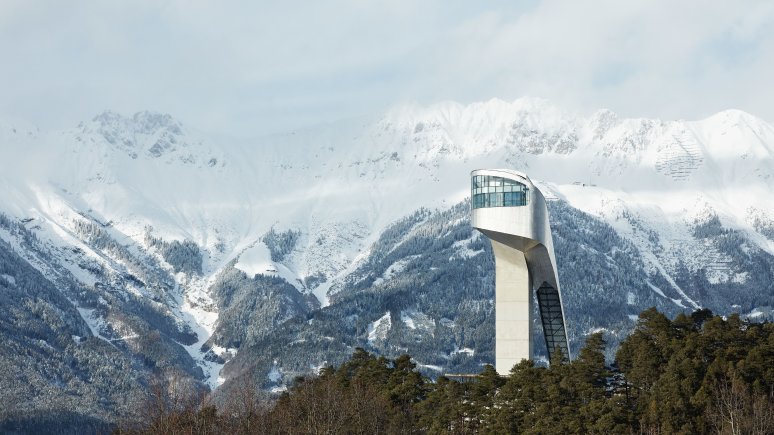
x=694 y=374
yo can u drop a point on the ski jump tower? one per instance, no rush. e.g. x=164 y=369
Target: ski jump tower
x=512 y=213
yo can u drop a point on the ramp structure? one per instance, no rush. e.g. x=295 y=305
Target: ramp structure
x=512 y=213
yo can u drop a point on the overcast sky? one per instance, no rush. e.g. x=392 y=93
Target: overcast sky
x=247 y=68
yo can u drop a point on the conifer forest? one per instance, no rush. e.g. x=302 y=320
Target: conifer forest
x=697 y=373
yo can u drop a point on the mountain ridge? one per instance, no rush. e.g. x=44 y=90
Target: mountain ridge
x=289 y=251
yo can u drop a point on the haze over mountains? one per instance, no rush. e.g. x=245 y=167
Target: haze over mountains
x=137 y=245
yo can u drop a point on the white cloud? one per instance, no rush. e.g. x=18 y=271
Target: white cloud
x=252 y=67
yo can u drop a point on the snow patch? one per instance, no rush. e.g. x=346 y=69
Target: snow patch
x=655 y=289
x=316 y=369
x=430 y=367
x=448 y=323
x=8 y=278
x=678 y=302
x=760 y=314
x=466 y=350
x=377 y=330
x=414 y=320
x=195 y=307
x=755 y=313
x=394 y=269
x=407 y=320
x=96 y=324
x=275 y=375
x=740 y=278
x=462 y=251
x=256 y=260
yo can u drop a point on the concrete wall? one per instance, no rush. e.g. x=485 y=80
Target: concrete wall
x=513 y=308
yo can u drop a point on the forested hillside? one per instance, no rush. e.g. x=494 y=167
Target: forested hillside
x=697 y=373
x=134 y=248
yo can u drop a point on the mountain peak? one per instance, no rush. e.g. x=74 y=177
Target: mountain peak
x=151 y=133
x=144 y=122
x=730 y=117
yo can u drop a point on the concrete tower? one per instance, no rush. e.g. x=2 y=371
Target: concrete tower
x=512 y=213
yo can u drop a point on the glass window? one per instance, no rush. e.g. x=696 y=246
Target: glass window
x=491 y=191
x=508 y=199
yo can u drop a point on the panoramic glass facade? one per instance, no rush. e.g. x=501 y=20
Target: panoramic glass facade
x=491 y=191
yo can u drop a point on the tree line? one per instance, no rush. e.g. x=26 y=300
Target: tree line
x=697 y=373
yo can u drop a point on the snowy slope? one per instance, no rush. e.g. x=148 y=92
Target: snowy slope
x=341 y=185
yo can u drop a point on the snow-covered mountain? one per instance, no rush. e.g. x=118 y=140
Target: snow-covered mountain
x=145 y=224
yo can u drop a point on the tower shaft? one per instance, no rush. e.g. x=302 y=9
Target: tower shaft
x=513 y=308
